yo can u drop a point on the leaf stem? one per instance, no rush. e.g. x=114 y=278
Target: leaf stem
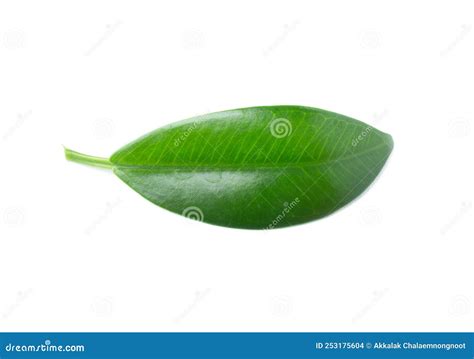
x=86 y=159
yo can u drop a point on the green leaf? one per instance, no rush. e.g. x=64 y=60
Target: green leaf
x=260 y=167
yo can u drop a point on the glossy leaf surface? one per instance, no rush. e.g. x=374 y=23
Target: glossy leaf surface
x=261 y=167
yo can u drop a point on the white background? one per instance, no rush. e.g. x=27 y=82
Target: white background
x=80 y=251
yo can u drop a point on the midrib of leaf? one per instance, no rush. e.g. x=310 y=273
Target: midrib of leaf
x=272 y=165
